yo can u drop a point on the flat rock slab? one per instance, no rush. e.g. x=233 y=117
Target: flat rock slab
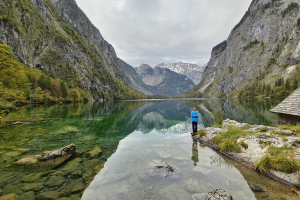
x=219 y=194
x=164 y=170
x=94 y=153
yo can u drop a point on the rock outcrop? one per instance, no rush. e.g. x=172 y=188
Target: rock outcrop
x=262 y=47
x=259 y=140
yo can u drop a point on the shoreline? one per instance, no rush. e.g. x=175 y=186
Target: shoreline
x=249 y=158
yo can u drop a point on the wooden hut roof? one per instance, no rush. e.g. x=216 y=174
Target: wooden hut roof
x=290 y=105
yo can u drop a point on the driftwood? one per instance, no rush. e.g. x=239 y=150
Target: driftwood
x=67 y=150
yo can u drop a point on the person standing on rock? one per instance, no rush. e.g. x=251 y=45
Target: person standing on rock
x=195 y=115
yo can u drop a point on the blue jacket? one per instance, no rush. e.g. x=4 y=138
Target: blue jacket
x=195 y=115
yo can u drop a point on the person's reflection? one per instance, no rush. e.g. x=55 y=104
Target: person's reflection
x=195 y=152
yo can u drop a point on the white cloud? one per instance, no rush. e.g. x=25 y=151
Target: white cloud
x=164 y=30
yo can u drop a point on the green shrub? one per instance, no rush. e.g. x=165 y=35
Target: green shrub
x=202 y=133
x=244 y=144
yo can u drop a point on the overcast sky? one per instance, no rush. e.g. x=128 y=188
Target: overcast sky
x=155 y=31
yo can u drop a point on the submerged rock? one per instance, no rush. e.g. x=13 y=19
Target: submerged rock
x=202 y=171
x=256 y=187
x=33 y=187
x=10 y=197
x=32 y=177
x=163 y=154
x=199 y=196
x=219 y=194
x=192 y=186
x=94 y=153
x=28 y=196
x=50 y=195
x=164 y=170
x=72 y=165
x=55 y=181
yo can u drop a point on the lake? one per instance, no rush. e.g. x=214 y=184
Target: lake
x=147 y=151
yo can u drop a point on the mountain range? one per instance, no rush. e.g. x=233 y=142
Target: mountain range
x=163 y=81
x=192 y=71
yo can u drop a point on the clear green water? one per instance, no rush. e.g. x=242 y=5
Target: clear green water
x=135 y=136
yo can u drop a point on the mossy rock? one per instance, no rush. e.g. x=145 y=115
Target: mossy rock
x=94 y=153
x=33 y=187
x=32 y=177
x=72 y=165
x=49 y=195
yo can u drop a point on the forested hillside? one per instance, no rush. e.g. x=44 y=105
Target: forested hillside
x=41 y=38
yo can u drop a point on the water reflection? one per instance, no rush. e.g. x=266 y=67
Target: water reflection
x=195 y=156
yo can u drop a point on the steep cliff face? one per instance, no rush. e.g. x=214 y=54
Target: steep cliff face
x=192 y=71
x=262 y=47
x=57 y=36
x=163 y=81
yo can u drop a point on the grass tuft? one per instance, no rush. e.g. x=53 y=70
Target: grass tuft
x=202 y=133
x=228 y=145
x=279 y=159
x=244 y=144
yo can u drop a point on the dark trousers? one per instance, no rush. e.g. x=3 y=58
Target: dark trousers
x=194 y=124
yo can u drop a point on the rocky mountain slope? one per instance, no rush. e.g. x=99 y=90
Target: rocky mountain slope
x=192 y=71
x=261 y=48
x=163 y=81
x=56 y=36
